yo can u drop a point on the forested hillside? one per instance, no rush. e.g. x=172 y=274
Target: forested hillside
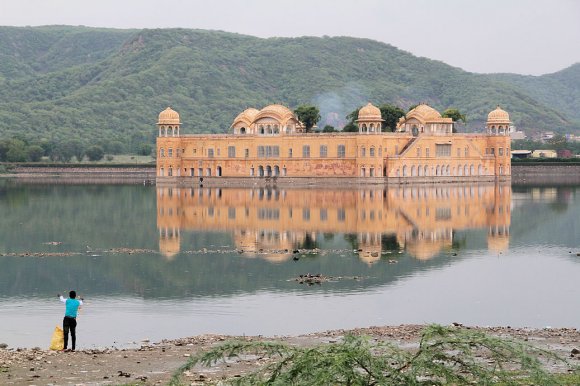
x=104 y=85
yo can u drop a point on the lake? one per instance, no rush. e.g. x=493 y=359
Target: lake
x=161 y=262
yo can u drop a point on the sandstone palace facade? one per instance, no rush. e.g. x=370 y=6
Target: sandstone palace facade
x=271 y=145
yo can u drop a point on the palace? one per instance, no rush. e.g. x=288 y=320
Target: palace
x=271 y=144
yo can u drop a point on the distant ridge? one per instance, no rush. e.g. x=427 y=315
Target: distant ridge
x=60 y=82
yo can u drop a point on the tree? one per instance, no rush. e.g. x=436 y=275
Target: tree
x=35 y=153
x=455 y=116
x=95 y=153
x=351 y=126
x=558 y=142
x=391 y=115
x=328 y=129
x=309 y=115
x=78 y=149
x=145 y=149
x=16 y=151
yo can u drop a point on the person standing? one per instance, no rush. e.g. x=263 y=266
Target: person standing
x=69 y=323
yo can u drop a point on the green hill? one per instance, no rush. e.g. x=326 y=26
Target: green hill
x=101 y=85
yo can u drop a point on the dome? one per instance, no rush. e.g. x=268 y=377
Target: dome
x=168 y=117
x=425 y=113
x=280 y=110
x=498 y=116
x=247 y=115
x=369 y=112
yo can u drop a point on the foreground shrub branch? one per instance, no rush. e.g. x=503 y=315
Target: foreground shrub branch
x=446 y=355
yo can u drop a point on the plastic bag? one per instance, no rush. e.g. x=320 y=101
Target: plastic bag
x=57 y=340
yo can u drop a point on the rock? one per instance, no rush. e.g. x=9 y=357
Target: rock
x=3 y=345
x=375 y=254
x=575 y=351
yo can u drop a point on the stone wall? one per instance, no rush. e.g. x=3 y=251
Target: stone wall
x=546 y=174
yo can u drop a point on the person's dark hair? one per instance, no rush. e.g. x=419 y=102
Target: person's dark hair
x=72 y=294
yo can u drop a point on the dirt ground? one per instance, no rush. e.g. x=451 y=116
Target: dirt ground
x=154 y=363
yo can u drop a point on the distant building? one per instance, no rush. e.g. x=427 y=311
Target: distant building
x=544 y=154
x=272 y=143
x=547 y=135
x=520 y=154
x=564 y=153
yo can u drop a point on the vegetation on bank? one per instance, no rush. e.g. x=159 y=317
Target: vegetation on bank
x=445 y=356
x=106 y=87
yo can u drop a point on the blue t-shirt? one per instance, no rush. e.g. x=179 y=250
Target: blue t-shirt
x=72 y=306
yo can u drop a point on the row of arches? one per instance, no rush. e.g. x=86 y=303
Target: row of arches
x=169 y=131
x=498 y=130
x=371 y=128
x=267 y=171
x=441 y=170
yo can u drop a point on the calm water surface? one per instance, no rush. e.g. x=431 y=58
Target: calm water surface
x=165 y=262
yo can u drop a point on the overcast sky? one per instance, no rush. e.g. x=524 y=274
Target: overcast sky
x=519 y=36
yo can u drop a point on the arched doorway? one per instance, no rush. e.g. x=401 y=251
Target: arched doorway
x=260 y=171
x=218 y=171
x=268 y=171
x=276 y=170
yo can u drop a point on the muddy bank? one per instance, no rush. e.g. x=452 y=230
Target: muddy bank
x=154 y=363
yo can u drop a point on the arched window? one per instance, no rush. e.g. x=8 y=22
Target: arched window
x=420 y=171
x=362 y=172
x=268 y=171
x=413 y=171
x=252 y=172
x=466 y=170
x=243 y=130
x=218 y=171
x=448 y=170
x=261 y=129
x=284 y=171
x=276 y=170
x=372 y=151
x=426 y=170
x=161 y=172
x=479 y=170
x=260 y=171
x=170 y=171
x=438 y=171
x=363 y=151
x=404 y=170
x=472 y=170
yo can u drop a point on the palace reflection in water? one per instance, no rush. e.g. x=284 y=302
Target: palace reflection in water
x=273 y=221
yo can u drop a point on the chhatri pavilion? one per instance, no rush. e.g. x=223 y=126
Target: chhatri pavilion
x=271 y=145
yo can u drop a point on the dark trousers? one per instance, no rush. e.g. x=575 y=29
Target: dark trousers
x=69 y=323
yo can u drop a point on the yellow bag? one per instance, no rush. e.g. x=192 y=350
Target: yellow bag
x=57 y=340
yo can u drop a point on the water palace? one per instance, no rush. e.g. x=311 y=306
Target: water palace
x=271 y=144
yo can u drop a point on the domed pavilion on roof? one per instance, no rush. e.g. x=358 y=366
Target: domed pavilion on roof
x=271 y=143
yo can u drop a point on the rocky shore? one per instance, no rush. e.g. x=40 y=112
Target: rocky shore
x=155 y=363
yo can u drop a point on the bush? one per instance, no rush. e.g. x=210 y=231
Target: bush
x=446 y=356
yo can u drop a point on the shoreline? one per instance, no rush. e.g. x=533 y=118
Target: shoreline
x=547 y=173
x=155 y=363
